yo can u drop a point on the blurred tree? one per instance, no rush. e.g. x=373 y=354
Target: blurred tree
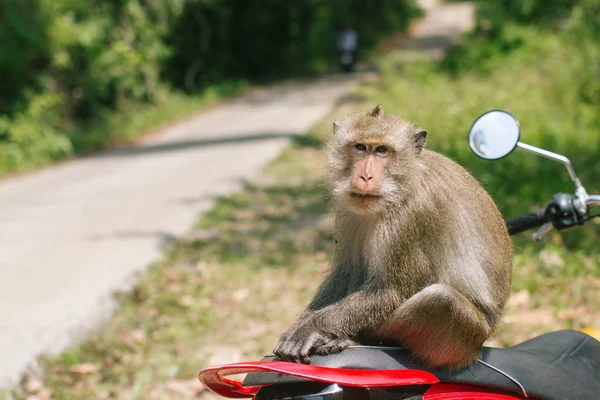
x=24 y=50
x=265 y=39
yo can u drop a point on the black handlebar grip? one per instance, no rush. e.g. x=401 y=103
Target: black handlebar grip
x=525 y=222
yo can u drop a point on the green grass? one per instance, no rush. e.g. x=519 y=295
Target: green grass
x=227 y=290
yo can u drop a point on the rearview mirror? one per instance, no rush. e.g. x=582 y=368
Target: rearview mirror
x=494 y=135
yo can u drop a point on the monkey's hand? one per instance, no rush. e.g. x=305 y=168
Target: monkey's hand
x=335 y=346
x=304 y=339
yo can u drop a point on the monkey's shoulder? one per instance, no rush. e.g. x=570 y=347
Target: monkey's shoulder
x=458 y=204
x=433 y=159
x=439 y=169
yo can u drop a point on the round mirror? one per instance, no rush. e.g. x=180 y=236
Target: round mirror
x=494 y=135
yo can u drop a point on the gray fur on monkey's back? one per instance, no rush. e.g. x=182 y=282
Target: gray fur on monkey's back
x=426 y=266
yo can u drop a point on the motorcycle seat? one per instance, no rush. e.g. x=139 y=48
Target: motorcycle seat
x=561 y=365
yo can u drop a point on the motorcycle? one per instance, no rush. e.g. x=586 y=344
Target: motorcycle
x=557 y=365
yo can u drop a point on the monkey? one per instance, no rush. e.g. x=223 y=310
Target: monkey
x=423 y=258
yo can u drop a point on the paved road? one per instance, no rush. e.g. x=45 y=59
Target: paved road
x=439 y=31
x=72 y=234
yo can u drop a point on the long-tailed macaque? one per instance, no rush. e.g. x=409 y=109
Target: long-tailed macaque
x=423 y=257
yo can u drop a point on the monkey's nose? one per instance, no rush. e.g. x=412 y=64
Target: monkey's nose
x=366 y=177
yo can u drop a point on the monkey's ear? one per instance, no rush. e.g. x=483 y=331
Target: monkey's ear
x=420 y=137
x=340 y=130
x=377 y=111
x=337 y=128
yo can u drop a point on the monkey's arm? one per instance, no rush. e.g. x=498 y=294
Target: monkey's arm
x=365 y=309
x=332 y=290
x=336 y=326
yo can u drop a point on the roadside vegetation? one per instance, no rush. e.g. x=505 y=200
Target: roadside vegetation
x=225 y=291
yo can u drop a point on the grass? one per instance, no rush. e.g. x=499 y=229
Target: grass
x=225 y=291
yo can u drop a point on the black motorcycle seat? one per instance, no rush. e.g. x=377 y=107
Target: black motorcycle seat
x=561 y=365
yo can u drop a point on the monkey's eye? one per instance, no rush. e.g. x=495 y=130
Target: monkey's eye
x=381 y=149
x=360 y=147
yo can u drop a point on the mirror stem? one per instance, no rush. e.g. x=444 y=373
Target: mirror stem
x=552 y=156
x=581 y=195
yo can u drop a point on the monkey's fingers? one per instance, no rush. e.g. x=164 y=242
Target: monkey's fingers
x=315 y=340
x=288 y=346
x=280 y=350
x=279 y=346
x=335 y=346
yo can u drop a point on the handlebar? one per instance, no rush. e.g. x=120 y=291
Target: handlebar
x=560 y=213
x=526 y=222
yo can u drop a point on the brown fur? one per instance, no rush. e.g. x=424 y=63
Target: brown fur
x=426 y=264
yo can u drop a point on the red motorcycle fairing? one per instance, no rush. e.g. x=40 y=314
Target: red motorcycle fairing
x=213 y=378
x=452 y=391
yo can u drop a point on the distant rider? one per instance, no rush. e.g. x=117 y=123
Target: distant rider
x=347 y=42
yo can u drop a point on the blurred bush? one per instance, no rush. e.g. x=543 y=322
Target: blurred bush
x=70 y=64
x=574 y=26
x=68 y=61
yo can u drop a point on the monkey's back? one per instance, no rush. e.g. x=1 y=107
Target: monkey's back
x=470 y=230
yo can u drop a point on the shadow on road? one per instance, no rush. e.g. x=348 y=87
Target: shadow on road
x=165 y=238
x=433 y=42
x=297 y=91
x=191 y=144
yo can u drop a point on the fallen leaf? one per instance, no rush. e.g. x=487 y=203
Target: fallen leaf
x=169 y=273
x=34 y=385
x=242 y=228
x=205 y=269
x=84 y=369
x=572 y=313
x=521 y=298
x=205 y=235
x=243 y=215
x=38 y=397
x=184 y=387
x=270 y=211
x=174 y=288
x=185 y=301
x=223 y=354
x=241 y=294
x=108 y=362
x=207 y=303
x=551 y=259
x=135 y=336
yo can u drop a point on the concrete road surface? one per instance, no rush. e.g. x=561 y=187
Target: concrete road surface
x=72 y=234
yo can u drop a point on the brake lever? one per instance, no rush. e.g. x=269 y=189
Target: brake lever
x=543 y=231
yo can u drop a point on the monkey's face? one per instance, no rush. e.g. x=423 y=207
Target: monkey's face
x=370 y=160
x=368 y=182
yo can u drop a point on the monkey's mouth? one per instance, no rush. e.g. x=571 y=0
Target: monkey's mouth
x=365 y=195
